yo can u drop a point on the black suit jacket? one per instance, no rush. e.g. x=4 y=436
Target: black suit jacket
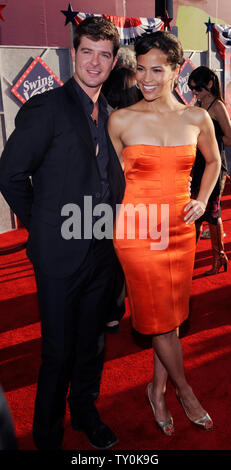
x=52 y=144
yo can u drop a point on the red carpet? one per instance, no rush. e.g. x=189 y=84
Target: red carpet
x=206 y=342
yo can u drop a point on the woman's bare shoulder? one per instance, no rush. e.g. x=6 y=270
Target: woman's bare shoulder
x=122 y=115
x=220 y=108
x=196 y=114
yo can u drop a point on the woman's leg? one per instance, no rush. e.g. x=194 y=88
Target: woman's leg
x=159 y=381
x=219 y=257
x=168 y=349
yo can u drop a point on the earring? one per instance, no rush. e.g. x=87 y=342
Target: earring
x=137 y=86
x=174 y=83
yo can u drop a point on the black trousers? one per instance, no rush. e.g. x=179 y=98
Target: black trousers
x=73 y=313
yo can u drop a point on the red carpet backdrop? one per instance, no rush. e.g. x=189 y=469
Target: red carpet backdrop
x=206 y=341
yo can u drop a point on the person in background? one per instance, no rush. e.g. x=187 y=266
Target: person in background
x=8 y=439
x=120 y=88
x=205 y=85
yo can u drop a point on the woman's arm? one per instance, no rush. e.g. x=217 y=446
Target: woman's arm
x=114 y=131
x=223 y=118
x=207 y=144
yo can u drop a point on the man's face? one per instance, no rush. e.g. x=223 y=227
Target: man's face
x=93 y=63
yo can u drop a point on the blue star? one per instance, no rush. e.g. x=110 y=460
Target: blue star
x=209 y=26
x=70 y=15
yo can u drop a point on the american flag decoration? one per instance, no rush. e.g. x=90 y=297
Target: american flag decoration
x=128 y=27
x=222 y=38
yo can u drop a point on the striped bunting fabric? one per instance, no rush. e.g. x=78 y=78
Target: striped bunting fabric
x=222 y=38
x=128 y=27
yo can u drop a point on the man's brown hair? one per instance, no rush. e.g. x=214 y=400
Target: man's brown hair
x=96 y=28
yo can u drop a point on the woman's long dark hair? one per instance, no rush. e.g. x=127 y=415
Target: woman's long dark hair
x=202 y=76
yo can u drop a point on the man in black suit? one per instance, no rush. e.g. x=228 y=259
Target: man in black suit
x=59 y=154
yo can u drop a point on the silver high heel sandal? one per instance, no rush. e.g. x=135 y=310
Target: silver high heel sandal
x=166 y=427
x=205 y=422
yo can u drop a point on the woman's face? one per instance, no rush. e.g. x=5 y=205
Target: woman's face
x=199 y=91
x=154 y=74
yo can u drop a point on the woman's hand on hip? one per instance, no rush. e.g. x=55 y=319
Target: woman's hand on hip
x=195 y=209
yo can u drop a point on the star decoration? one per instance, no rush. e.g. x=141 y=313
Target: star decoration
x=209 y=25
x=70 y=15
x=166 y=20
x=1 y=8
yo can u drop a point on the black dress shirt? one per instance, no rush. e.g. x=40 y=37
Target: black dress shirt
x=98 y=136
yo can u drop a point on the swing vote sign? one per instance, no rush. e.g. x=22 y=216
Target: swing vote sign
x=36 y=79
x=182 y=88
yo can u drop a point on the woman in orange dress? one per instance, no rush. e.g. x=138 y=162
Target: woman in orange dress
x=154 y=235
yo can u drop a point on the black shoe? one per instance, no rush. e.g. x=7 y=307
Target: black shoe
x=99 y=435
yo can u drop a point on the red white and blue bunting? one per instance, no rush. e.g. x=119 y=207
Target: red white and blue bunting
x=222 y=38
x=128 y=27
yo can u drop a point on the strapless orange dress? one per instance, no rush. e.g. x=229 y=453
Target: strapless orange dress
x=155 y=247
